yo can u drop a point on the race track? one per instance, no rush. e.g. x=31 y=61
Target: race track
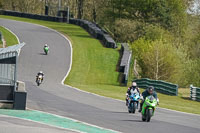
x=55 y=98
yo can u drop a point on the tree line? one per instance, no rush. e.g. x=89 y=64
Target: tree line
x=164 y=35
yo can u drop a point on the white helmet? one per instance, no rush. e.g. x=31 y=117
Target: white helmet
x=45 y=45
x=134 y=84
x=40 y=72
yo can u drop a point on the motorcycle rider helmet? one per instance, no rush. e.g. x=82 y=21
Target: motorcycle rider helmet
x=150 y=89
x=40 y=72
x=134 y=84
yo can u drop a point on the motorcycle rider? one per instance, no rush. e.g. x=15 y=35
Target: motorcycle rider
x=149 y=91
x=133 y=89
x=46 y=46
x=38 y=74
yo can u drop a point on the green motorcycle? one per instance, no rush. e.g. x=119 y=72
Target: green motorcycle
x=46 y=50
x=148 y=108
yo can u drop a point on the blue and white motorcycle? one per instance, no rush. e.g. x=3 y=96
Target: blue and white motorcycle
x=133 y=102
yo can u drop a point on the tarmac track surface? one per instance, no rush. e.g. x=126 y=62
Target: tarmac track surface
x=53 y=97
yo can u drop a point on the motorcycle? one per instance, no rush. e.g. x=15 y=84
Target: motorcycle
x=46 y=50
x=148 y=108
x=133 y=102
x=39 y=79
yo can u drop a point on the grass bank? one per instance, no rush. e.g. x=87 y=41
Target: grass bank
x=94 y=68
x=8 y=37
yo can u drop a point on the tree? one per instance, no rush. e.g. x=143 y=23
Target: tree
x=127 y=30
x=192 y=71
x=170 y=14
x=159 y=60
x=80 y=4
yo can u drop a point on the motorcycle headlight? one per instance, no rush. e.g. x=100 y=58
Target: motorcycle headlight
x=147 y=103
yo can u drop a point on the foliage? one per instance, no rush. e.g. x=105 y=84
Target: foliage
x=28 y=6
x=158 y=59
x=192 y=72
x=170 y=14
x=127 y=30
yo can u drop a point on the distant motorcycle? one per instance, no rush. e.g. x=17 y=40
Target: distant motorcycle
x=133 y=101
x=148 y=108
x=46 y=50
x=39 y=79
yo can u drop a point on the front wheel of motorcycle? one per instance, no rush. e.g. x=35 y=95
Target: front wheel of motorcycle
x=132 y=107
x=149 y=114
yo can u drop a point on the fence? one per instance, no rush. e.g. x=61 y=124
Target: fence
x=194 y=93
x=159 y=85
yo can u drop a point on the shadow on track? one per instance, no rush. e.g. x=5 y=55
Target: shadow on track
x=42 y=53
x=133 y=120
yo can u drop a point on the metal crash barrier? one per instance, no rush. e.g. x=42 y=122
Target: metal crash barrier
x=159 y=85
x=194 y=93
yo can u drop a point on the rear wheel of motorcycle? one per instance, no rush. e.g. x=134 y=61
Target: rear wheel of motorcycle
x=143 y=118
x=149 y=114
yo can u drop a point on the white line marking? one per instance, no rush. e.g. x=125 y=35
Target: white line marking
x=42 y=123
x=179 y=111
x=12 y=33
x=15 y=36
x=77 y=121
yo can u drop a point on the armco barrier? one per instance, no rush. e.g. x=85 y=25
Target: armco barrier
x=96 y=32
x=125 y=62
x=159 y=85
x=90 y=27
x=32 y=16
x=194 y=93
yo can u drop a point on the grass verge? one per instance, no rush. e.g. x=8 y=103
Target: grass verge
x=8 y=37
x=94 y=68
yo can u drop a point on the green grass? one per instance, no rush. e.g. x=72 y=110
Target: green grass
x=94 y=68
x=181 y=102
x=8 y=37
